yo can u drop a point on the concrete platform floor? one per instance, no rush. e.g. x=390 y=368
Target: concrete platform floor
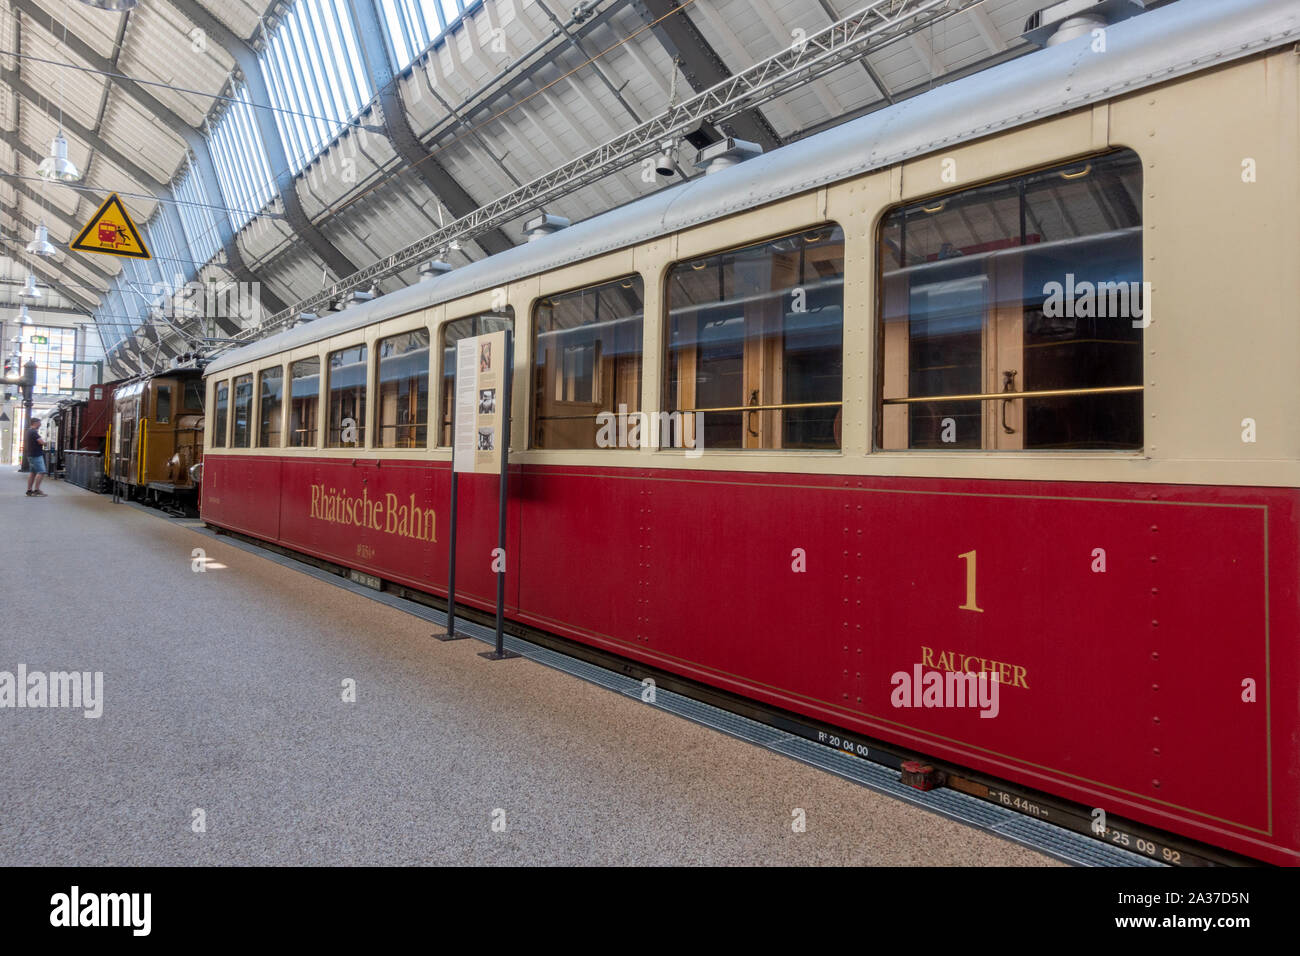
x=222 y=692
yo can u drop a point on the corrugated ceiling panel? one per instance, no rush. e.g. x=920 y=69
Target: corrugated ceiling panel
x=76 y=92
x=140 y=138
x=98 y=28
x=162 y=46
x=240 y=15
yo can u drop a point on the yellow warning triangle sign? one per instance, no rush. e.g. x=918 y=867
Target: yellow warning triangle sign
x=111 y=232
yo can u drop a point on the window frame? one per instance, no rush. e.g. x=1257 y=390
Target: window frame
x=289 y=362
x=365 y=423
x=380 y=337
x=666 y=321
x=252 y=404
x=168 y=385
x=257 y=402
x=876 y=424
x=224 y=414
x=534 y=331
x=440 y=338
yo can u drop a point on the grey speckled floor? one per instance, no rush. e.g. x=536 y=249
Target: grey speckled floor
x=223 y=692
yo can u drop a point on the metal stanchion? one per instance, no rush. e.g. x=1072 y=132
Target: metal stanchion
x=499 y=653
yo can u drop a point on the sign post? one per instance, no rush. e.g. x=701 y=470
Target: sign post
x=481 y=444
x=451 y=634
x=503 y=416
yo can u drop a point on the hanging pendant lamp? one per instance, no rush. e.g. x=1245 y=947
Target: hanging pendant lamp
x=57 y=167
x=40 y=244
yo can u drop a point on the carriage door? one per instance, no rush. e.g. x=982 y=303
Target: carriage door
x=115 y=452
x=161 y=443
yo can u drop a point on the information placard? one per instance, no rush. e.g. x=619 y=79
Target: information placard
x=480 y=400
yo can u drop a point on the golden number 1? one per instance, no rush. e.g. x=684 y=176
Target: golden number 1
x=970 y=604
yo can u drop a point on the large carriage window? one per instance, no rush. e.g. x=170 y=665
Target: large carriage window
x=587 y=362
x=1012 y=313
x=241 y=428
x=304 y=397
x=404 y=390
x=755 y=343
x=222 y=402
x=163 y=405
x=270 y=385
x=347 y=397
x=452 y=333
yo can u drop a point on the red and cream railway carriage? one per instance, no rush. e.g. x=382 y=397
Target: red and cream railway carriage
x=999 y=379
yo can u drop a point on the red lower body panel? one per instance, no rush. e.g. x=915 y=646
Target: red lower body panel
x=1144 y=637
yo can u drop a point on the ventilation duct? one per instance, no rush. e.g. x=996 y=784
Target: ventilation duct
x=434 y=268
x=726 y=153
x=544 y=224
x=355 y=297
x=1069 y=19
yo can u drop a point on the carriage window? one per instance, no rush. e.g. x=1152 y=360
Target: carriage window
x=1012 y=313
x=755 y=344
x=222 y=392
x=304 y=397
x=404 y=390
x=194 y=395
x=587 y=361
x=219 y=414
x=452 y=333
x=270 y=385
x=347 y=396
x=241 y=429
x=163 y=409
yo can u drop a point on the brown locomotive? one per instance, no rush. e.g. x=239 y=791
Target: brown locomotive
x=155 y=438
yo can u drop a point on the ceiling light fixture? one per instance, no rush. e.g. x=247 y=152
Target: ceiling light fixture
x=30 y=289
x=40 y=244
x=57 y=166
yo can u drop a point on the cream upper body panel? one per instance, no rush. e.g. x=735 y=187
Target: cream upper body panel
x=1221 y=239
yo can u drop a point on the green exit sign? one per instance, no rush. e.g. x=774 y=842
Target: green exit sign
x=40 y=340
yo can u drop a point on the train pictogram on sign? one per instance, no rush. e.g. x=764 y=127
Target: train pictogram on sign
x=111 y=232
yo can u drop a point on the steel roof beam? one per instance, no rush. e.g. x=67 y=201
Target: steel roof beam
x=701 y=64
x=576 y=43
x=879 y=24
x=55 y=267
x=196 y=141
x=397 y=125
x=87 y=136
x=507 y=78
x=85 y=52
x=53 y=280
x=246 y=57
x=58 y=214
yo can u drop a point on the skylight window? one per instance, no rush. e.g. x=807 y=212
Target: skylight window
x=315 y=76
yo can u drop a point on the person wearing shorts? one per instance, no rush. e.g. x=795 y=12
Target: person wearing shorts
x=34 y=451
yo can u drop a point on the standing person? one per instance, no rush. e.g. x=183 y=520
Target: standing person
x=34 y=452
